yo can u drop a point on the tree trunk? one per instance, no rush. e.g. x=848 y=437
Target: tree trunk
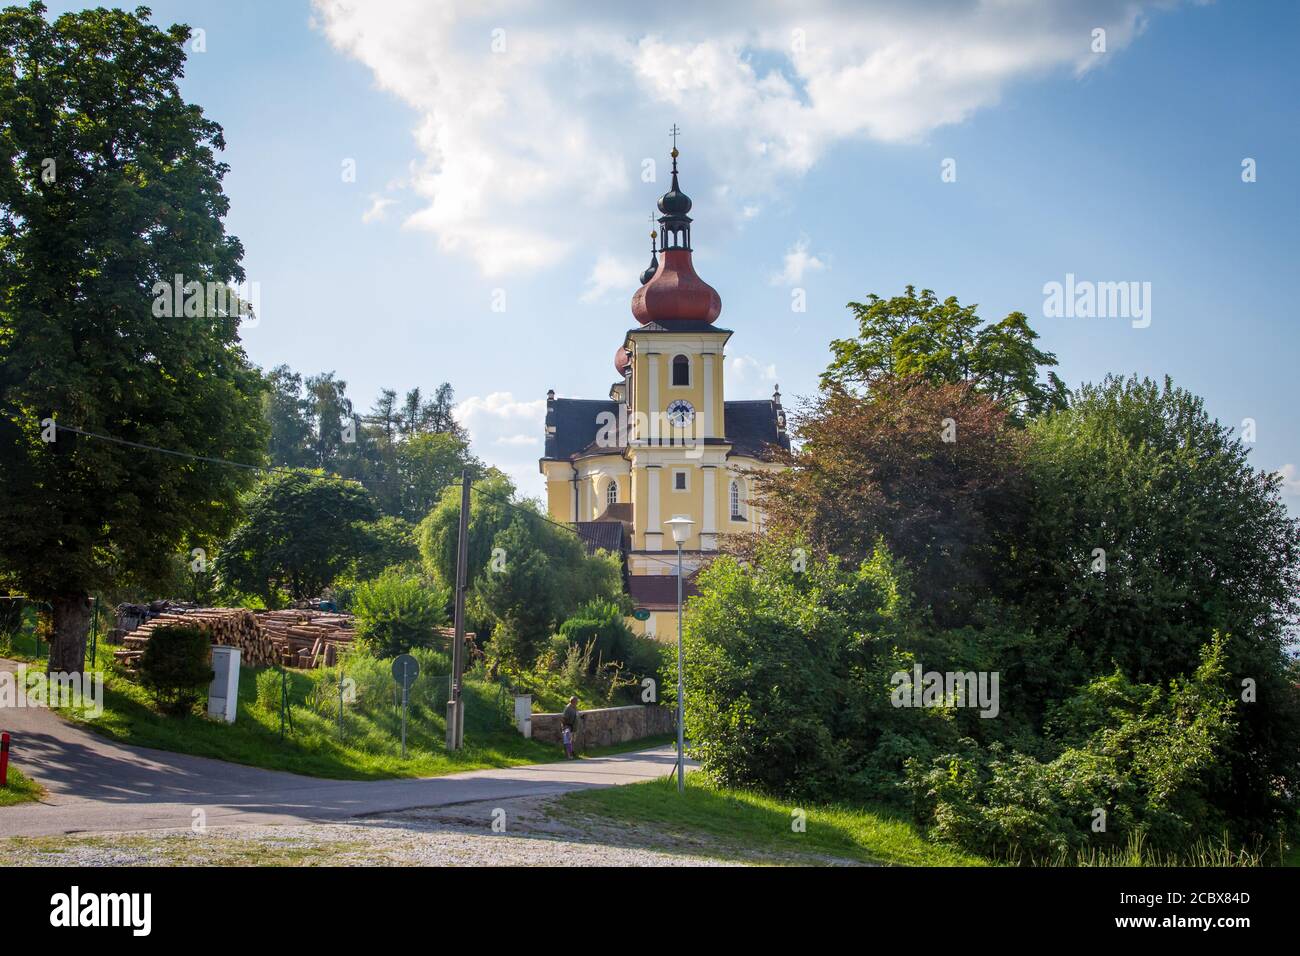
x=71 y=623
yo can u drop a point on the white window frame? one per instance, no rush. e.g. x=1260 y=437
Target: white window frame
x=611 y=492
x=736 y=501
x=685 y=472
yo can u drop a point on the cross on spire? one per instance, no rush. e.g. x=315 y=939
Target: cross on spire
x=673 y=133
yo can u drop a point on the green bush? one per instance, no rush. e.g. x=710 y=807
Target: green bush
x=176 y=666
x=788 y=671
x=1145 y=757
x=599 y=623
x=397 y=611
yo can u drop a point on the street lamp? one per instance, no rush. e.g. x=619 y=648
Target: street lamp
x=681 y=529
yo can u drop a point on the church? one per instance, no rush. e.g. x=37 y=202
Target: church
x=666 y=443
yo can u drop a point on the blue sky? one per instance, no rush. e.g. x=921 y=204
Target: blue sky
x=499 y=158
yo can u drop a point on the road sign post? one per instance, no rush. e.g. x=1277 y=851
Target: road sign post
x=405 y=670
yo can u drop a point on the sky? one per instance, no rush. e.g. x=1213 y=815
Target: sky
x=432 y=191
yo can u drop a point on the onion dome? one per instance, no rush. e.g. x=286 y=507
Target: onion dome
x=675 y=203
x=654 y=260
x=674 y=293
x=622 y=360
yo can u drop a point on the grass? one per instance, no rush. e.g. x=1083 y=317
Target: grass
x=19 y=789
x=177 y=849
x=370 y=745
x=742 y=821
x=369 y=748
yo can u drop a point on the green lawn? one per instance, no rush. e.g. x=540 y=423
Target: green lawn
x=369 y=748
x=20 y=789
x=741 y=820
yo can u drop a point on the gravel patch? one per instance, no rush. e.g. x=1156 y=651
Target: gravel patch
x=529 y=831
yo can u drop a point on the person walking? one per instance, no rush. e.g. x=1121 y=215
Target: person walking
x=569 y=725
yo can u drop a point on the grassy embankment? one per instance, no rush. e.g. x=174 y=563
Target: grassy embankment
x=368 y=748
x=747 y=821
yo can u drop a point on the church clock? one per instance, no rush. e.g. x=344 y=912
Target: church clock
x=680 y=413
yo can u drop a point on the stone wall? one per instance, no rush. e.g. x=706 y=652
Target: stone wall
x=608 y=725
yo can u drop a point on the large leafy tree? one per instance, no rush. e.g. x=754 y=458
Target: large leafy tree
x=932 y=469
x=1149 y=532
x=300 y=531
x=526 y=574
x=110 y=184
x=916 y=335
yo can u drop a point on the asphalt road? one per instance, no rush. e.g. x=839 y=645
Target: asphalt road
x=95 y=785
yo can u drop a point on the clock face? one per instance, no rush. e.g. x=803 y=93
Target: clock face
x=680 y=413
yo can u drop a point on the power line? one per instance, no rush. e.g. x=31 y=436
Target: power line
x=264 y=469
x=561 y=526
x=303 y=473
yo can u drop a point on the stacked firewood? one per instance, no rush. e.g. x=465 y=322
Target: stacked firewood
x=306 y=638
x=226 y=626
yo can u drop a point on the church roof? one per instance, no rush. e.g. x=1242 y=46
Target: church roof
x=658 y=592
x=572 y=425
x=601 y=535
x=751 y=427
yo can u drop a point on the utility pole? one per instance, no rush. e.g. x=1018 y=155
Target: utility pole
x=456 y=704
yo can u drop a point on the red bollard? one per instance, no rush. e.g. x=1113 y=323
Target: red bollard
x=4 y=759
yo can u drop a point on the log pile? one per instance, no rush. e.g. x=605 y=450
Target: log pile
x=226 y=626
x=306 y=638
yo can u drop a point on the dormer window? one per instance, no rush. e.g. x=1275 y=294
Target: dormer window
x=681 y=371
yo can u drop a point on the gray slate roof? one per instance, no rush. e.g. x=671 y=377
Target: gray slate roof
x=750 y=426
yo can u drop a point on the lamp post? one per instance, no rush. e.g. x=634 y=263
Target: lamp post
x=681 y=528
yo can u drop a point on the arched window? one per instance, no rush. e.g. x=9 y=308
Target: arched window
x=611 y=493
x=681 y=370
x=736 y=513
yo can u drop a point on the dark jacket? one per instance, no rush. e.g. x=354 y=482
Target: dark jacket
x=570 y=718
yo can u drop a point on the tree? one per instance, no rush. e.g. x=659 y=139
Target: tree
x=1149 y=532
x=287 y=414
x=931 y=469
x=526 y=574
x=424 y=466
x=176 y=665
x=943 y=342
x=300 y=531
x=397 y=611
x=331 y=411
x=109 y=189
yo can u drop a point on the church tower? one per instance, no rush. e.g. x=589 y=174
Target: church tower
x=667 y=443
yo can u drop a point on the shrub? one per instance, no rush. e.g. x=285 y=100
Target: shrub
x=788 y=671
x=599 y=623
x=176 y=665
x=1145 y=756
x=397 y=611
x=269 y=691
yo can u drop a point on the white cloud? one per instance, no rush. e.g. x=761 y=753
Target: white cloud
x=612 y=276
x=532 y=119
x=797 y=261
x=747 y=377
x=1290 y=479
x=378 y=208
x=505 y=432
